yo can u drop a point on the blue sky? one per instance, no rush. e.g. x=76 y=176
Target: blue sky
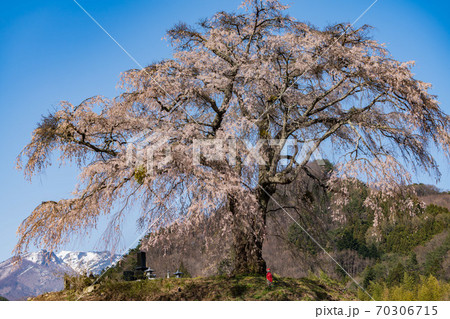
x=51 y=51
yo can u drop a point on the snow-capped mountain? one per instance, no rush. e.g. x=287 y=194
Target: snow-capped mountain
x=88 y=262
x=42 y=271
x=36 y=273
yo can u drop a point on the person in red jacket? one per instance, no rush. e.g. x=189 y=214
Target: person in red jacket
x=269 y=277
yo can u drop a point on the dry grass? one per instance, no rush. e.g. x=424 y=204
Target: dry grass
x=209 y=288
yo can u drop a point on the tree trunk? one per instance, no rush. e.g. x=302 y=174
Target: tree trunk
x=248 y=237
x=248 y=254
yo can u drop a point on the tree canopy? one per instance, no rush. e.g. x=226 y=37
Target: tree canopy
x=256 y=77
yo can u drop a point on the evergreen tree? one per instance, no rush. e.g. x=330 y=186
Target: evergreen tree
x=396 y=275
x=370 y=276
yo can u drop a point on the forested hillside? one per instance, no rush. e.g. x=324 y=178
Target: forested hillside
x=405 y=258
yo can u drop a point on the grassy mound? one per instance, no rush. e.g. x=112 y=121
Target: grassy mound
x=208 y=288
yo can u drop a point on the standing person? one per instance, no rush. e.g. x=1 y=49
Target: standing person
x=269 y=277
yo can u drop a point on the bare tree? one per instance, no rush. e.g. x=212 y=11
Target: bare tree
x=257 y=75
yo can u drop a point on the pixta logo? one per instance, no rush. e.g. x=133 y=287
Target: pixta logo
x=154 y=152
